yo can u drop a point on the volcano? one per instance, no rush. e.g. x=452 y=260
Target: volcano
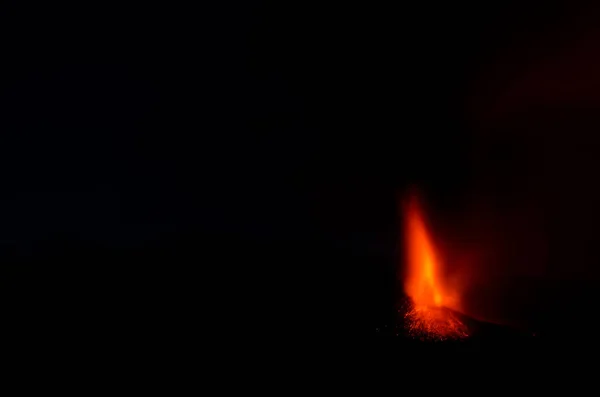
x=430 y=308
x=441 y=327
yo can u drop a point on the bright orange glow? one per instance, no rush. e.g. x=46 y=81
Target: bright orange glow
x=424 y=279
x=428 y=315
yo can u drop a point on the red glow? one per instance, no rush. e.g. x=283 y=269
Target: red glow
x=425 y=283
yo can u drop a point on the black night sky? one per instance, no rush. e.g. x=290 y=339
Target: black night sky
x=244 y=162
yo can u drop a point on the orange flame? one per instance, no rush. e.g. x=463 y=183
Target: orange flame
x=425 y=284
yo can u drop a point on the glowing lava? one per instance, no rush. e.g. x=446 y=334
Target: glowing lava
x=428 y=315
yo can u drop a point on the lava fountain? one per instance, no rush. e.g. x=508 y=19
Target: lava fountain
x=428 y=314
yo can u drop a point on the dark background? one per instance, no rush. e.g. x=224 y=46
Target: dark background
x=239 y=167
